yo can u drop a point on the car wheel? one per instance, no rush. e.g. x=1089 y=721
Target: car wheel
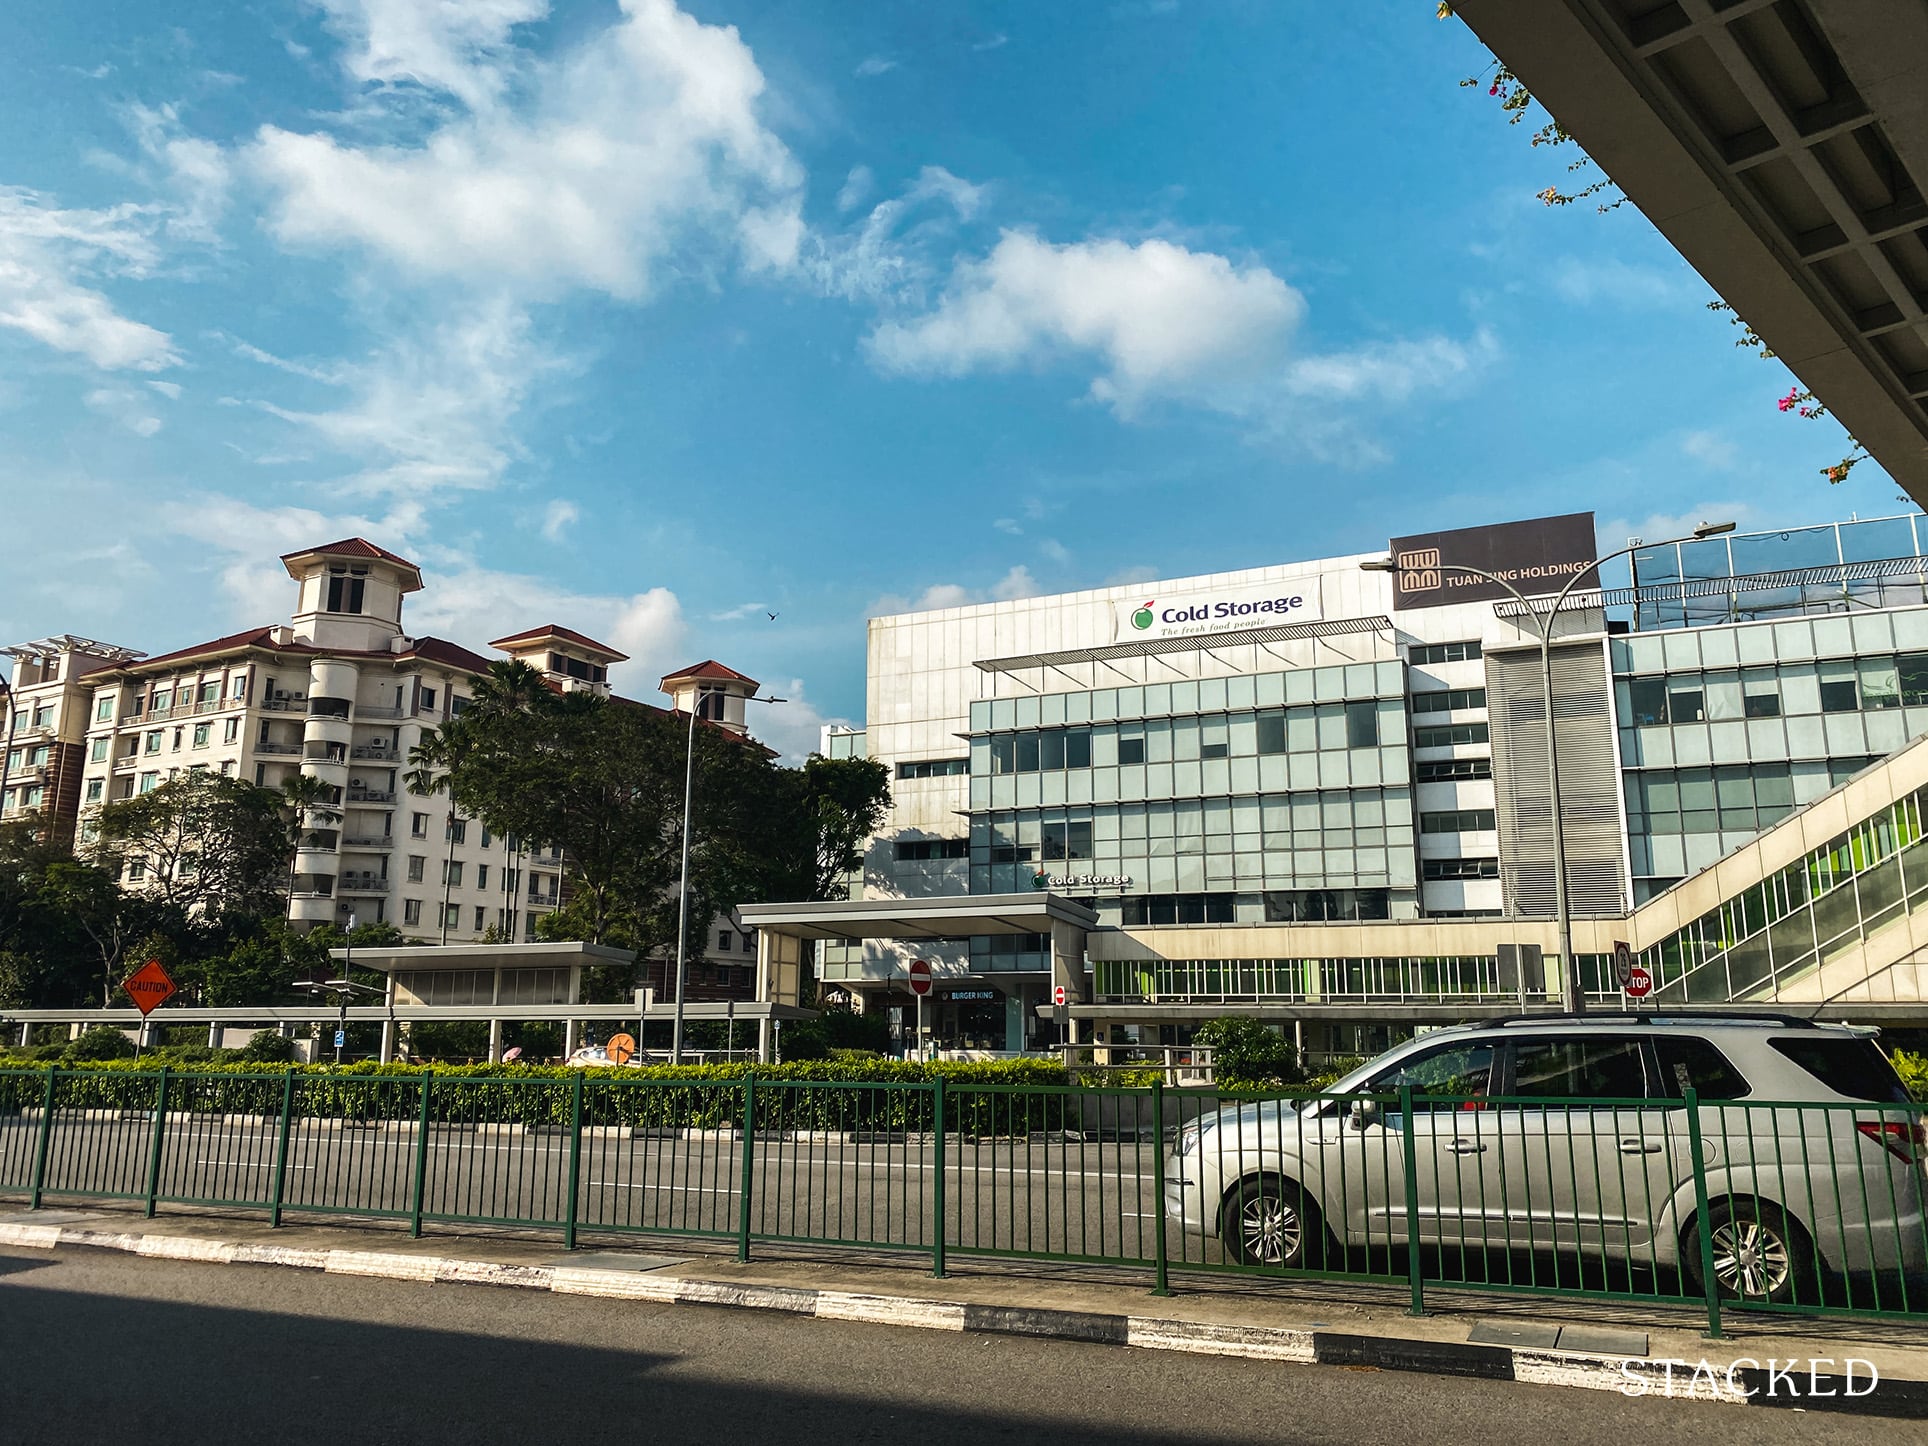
x=1265 y=1221
x=1758 y=1253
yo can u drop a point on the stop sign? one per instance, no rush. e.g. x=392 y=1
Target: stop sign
x=1640 y=983
x=920 y=976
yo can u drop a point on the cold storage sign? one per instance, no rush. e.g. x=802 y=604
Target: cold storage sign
x=1163 y=617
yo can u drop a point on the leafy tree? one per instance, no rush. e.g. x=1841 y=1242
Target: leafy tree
x=211 y=845
x=1247 y=1052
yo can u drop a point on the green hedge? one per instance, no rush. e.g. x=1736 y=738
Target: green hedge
x=858 y=1094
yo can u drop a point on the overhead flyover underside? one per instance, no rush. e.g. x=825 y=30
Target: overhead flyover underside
x=1782 y=147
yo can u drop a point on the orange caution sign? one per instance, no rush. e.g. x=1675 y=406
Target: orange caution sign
x=149 y=987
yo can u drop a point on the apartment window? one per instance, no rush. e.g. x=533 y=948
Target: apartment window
x=934 y=768
x=749 y=941
x=411 y=911
x=163 y=698
x=1044 y=751
x=479 y=925
x=104 y=709
x=1449 y=700
x=136 y=870
x=345 y=591
x=43 y=715
x=456 y=830
x=416 y=864
x=458 y=705
x=202 y=733
x=1464 y=820
x=97 y=752
x=452 y=915
x=239 y=689
x=1838 y=691
x=150 y=782
x=231 y=731
x=487 y=838
x=229 y=767
x=920 y=850
x=1451 y=735
x=1426 y=653
x=418 y=825
x=154 y=741
x=722 y=938
x=481 y=876
x=1362 y=724
x=211 y=692
x=33 y=796
x=452 y=872
x=1453 y=770
x=93 y=790
x=179 y=734
x=428 y=699
x=37 y=757
x=1444 y=869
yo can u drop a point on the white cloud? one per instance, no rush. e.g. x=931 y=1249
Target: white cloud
x=890 y=255
x=1008 y=524
x=1017 y=583
x=558 y=517
x=856 y=188
x=170 y=390
x=250 y=539
x=1158 y=319
x=194 y=173
x=1055 y=550
x=1711 y=450
x=874 y=65
x=741 y=611
x=1616 y=283
x=457 y=46
x=643 y=135
x=128 y=408
x=47 y=258
x=794 y=727
x=993 y=42
x=434 y=412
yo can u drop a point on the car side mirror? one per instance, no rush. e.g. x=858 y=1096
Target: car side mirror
x=1363 y=1113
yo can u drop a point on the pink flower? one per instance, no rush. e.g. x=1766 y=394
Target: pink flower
x=1789 y=402
x=1494 y=89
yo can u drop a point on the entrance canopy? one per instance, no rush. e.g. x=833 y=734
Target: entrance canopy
x=954 y=917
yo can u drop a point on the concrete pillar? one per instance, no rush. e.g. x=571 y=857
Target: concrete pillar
x=388 y=1041
x=214 y=1035
x=74 y=1029
x=763 y=1040
x=26 y=1035
x=495 y=1041
x=571 y=1036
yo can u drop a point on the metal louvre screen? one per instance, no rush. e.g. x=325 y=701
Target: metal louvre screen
x=1589 y=781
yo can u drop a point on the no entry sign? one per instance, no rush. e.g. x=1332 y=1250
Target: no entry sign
x=920 y=977
x=149 y=987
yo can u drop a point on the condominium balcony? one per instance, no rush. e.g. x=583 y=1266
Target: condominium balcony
x=367 y=841
x=285 y=750
x=371 y=795
x=127 y=763
x=361 y=884
x=371 y=710
x=286 y=703
x=374 y=750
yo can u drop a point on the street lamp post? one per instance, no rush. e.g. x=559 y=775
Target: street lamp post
x=1574 y=1000
x=683 y=886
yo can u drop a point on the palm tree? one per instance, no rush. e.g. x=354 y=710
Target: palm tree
x=312 y=804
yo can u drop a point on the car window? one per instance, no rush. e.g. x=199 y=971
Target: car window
x=1687 y=1060
x=1849 y=1064
x=1582 y=1068
x=1456 y=1071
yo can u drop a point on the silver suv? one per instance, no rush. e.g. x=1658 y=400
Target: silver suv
x=1571 y=1134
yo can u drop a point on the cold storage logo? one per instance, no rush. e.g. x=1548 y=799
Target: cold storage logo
x=1183 y=617
x=1142 y=618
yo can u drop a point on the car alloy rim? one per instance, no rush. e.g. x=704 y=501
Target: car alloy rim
x=1269 y=1229
x=1749 y=1258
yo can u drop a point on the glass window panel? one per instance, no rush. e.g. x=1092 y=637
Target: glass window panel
x=1649 y=698
x=1723 y=694
x=1880 y=683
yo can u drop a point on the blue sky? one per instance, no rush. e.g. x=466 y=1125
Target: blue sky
x=653 y=321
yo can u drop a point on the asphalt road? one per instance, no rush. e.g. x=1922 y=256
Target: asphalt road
x=115 y=1348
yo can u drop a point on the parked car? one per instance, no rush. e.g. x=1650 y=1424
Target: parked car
x=1571 y=1134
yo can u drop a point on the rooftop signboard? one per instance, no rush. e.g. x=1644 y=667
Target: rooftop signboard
x=1538 y=556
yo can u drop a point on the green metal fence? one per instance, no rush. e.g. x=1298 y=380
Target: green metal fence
x=1807 y=1208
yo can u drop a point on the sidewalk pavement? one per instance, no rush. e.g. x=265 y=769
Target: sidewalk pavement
x=1875 y=1368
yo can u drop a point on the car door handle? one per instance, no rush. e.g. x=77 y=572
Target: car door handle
x=1467 y=1147
x=1640 y=1147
